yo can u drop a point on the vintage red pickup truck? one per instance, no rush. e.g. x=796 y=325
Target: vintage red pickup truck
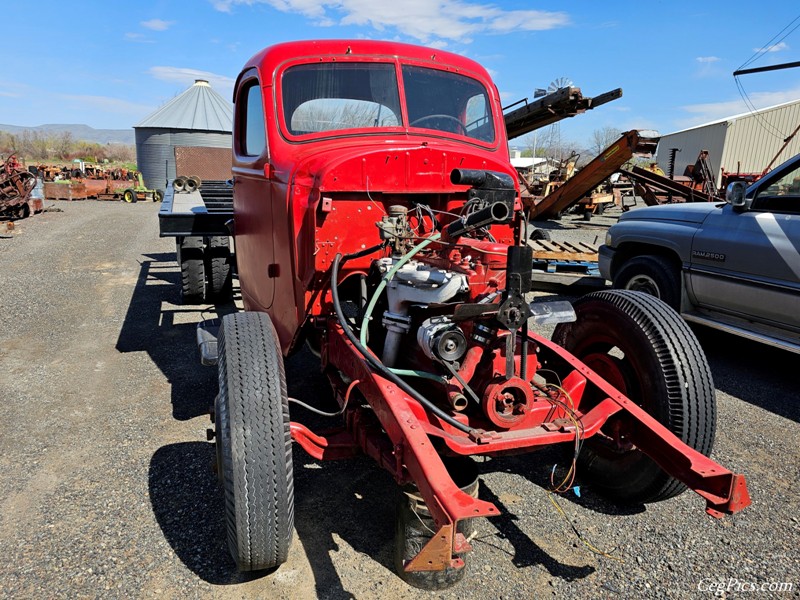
x=377 y=218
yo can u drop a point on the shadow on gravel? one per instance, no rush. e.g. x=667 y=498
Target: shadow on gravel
x=526 y=552
x=350 y=500
x=537 y=467
x=756 y=373
x=188 y=505
x=150 y=326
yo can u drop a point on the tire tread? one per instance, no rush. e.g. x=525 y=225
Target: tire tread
x=257 y=466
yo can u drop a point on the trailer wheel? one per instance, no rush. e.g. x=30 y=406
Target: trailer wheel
x=642 y=347
x=254 y=442
x=189 y=252
x=654 y=275
x=218 y=267
x=129 y=196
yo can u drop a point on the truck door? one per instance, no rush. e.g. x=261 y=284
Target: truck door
x=748 y=263
x=252 y=196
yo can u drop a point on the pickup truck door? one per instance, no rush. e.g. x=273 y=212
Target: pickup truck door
x=252 y=196
x=748 y=263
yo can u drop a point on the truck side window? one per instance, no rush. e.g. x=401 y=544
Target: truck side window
x=254 y=138
x=783 y=195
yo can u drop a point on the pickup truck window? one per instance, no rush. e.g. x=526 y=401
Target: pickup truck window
x=340 y=96
x=254 y=139
x=781 y=196
x=447 y=102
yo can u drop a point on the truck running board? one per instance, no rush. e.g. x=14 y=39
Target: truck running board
x=207 y=333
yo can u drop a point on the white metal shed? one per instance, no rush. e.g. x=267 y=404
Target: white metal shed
x=743 y=143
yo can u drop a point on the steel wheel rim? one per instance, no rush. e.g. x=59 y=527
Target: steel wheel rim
x=644 y=283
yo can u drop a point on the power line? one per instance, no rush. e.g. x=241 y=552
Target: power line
x=772 y=43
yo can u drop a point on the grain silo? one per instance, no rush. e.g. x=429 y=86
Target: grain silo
x=744 y=143
x=199 y=117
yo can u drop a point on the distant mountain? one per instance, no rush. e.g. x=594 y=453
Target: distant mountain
x=79 y=133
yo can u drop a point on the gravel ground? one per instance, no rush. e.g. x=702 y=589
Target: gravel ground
x=106 y=491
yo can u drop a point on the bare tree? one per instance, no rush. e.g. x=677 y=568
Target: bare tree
x=62 y=144
x=602 y=139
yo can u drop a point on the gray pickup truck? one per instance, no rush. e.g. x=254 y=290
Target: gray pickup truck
x=734 y=266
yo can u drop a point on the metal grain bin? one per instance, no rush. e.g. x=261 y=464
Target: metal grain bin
x=199 y=117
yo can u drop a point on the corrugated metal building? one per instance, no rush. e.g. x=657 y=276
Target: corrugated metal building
x=198 y=117
x=743 y=143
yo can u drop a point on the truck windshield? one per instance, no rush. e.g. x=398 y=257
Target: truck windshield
x=320 y=98
x=329 y=97
x=447 y=102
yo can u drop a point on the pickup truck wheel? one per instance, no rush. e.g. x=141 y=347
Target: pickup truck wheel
x=414 y=527
x=654 y=275
x=636 y=343
x=218 y=267
x=189 y=252
x=254 y=442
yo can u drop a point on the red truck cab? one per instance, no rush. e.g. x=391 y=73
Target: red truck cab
x=327 y=134
x=377 y=216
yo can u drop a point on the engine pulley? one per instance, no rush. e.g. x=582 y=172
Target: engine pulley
x=506 y=402
x=441 y=339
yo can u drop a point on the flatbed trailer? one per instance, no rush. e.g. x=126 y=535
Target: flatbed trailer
x=203 y=212
x=201 y=222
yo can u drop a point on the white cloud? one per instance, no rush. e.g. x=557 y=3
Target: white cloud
x=10 y=89
x=421 y=19
x=507 y=97
x=776 y=48
x=186 y=77
x=707 y=59
x=138 y=37
x=713 y=111
x=157 y=24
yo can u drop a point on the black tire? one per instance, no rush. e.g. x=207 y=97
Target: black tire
x=539 y=234
x=190 y=253
x=254 y=442
x=129 y=196
x=600 y=208
x=218 y=267
x=654 y=275
x=414 y=527
x=158 y=196
x=662 y=368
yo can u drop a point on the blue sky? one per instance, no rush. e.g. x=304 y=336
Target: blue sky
x=109 y=64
